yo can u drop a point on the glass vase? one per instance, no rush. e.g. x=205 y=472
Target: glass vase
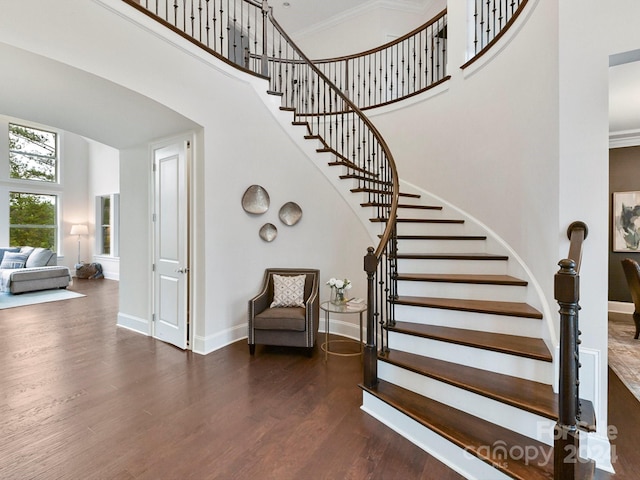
x=337 y=296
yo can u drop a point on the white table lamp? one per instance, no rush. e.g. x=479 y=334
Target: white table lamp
x=79 y=230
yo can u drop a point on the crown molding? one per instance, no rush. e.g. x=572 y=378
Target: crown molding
x=624 y=138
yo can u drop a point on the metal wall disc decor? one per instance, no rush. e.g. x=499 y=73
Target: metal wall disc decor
x=290 y=213
x=268 y=232
x=255 y=200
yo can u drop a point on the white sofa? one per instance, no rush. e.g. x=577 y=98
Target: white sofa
x=27 y=269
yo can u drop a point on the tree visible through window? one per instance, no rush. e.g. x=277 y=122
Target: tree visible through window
x=32 y=220
x=33 y=153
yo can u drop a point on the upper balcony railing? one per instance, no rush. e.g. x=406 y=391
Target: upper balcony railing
x=397 y=70
x=491 y=20
x=237 y=32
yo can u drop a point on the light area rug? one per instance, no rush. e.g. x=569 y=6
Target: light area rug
x=7 y=300
x=624 y=351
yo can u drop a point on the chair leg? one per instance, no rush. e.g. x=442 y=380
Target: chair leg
x=252 y=348
x=636 y=319
x=309 y=352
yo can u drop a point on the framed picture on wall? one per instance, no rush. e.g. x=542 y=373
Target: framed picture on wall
x=626 y=222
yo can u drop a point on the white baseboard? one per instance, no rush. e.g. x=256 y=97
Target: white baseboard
x=621 y=307
x=344 y=329
x=211 y=343
x=596 y=447
x=205 y=345
x=139 y=325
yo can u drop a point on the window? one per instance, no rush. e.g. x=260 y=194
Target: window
x=33 y=154
x=33 y=220
x=105 y=210
x=107 y=219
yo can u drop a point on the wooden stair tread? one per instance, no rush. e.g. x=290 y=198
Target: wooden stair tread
x=511 y=309
x=441 y=237
x=462 y=278
x=418 y=220
x=468 y=432
x=401 y=205
x=353 y=166
x=534 y=397
x=527 y=347
x=451 y=256
x=383 y=192
x=365 y=179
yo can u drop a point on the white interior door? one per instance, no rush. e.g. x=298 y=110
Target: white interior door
x=171 y=267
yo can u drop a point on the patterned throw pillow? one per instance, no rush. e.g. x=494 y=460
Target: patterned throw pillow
x=3 y=250
x=13 y=260
x=288 y=291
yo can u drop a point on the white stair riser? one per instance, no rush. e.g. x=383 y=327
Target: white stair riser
x=520 y=421
x=469 y=291
x=515 y=366
x=488 y=267
x=419 y=212
x=526 y=327
x=467 y=465
x=431 y=228
x=441 y=246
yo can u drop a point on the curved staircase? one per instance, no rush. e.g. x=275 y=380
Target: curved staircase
x=464 y=358
x=461 y=370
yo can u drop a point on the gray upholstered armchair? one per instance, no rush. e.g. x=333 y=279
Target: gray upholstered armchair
x=287 y=310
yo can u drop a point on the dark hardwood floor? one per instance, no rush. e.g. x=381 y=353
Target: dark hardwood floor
x=83 y=399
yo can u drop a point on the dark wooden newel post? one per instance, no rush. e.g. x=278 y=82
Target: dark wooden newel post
x=370 y=348
x=567 y=291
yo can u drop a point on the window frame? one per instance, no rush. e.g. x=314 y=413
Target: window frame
x=55 y=226
x=58 y=156
x=114 y=225
x=37 y=187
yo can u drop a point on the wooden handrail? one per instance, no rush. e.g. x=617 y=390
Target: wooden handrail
x=392 y=165
x=373 y=258
x=147 y=8
x=577 y=233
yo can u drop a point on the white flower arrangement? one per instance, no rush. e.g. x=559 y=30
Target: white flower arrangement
x=340 y=285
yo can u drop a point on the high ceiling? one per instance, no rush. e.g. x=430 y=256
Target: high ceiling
x=298 y=15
